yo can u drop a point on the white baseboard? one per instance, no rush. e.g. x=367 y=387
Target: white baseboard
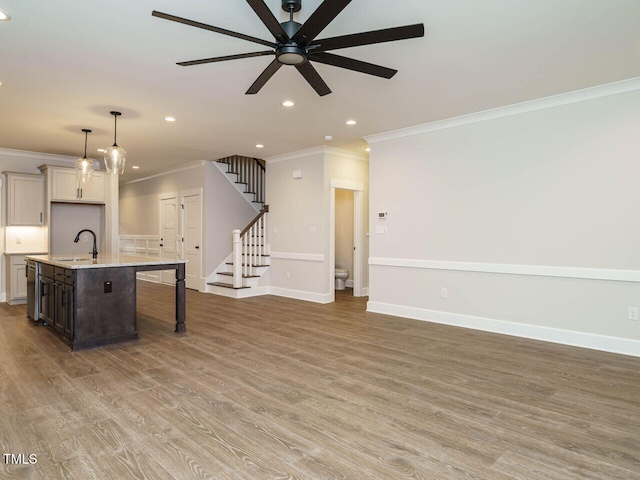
x=554 y=335
x=365 y=291
x=300 y=295
x=3 y=297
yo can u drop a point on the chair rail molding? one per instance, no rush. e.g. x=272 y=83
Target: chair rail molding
x=512 y=269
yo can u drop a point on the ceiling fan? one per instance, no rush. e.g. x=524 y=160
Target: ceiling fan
x=296 y=44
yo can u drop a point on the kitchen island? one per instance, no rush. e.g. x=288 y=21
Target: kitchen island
x=91 y=302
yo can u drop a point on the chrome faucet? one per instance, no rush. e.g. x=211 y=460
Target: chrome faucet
x=95 y=248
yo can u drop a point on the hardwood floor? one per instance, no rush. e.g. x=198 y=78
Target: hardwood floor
x=270 y=387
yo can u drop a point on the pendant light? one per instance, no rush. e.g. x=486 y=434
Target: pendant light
x=114 y=157
x=85 y=166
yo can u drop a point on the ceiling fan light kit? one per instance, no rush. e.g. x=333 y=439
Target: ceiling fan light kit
x=295 y=44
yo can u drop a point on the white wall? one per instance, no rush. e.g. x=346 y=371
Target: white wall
x=296 y=208
x=224 y=208
x=526 y=215
x=300 y=219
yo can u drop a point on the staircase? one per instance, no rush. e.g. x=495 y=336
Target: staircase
x=247 y=174
x=239 y=275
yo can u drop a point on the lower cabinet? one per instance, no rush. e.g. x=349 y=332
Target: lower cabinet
x=57 y=300
x=16 y=275
x=88 y=307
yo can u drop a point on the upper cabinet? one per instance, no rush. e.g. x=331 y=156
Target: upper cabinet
x=25 y=199
x=65 y=188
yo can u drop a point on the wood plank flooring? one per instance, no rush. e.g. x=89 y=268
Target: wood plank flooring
x=268 y=387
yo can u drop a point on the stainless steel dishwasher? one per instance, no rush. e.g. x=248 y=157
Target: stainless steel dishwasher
x=32 y=290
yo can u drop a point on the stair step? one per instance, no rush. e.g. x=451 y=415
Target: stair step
x=226 y=285
x=230 y=274
x=244 y=264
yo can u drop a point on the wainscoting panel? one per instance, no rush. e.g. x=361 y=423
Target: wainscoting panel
x=144 y=246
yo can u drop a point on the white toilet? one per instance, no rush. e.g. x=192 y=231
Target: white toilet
x=341 y=275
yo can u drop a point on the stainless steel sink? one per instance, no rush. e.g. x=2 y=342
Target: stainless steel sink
x=69 y=259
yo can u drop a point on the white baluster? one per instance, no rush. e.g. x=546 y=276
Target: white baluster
x=237 y=259
x=251 y=250
x=264 y=239
x=258 y=240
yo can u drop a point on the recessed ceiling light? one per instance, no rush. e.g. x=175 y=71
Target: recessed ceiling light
x=351 y=122
x=169 y=119
x=102 y=150
x=259 y=145
x=4 y=16
x=135 y=167
x=288 y=103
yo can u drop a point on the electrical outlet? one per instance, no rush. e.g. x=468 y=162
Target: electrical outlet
x=632 y=313
x=444 y=293
x=18 y=241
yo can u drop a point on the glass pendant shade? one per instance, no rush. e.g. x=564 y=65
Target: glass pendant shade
x=114 y=159
x=84 y=170
x=85 y=166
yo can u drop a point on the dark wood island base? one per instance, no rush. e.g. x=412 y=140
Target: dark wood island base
x=89 y=303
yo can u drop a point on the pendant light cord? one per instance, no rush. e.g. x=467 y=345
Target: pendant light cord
x=115 y=130
x=86 y=134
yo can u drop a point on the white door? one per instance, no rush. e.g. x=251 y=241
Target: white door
x=191 y=222
x=169 y=238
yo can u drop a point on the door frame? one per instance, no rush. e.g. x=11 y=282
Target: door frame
x=189 y=193
x=358 y=234
x=161 y=197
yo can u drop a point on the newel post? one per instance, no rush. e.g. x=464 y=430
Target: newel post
x=237 y=259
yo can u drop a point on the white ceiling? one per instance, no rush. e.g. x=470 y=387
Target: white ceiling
x=65 y=64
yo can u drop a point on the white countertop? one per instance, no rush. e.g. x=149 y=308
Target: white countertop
x=103 y=260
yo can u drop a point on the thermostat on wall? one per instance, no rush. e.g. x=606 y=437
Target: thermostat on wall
x=383 y=214
x=296 y=174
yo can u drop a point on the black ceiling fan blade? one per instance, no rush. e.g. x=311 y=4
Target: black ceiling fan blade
x=211 y=28
x=269 y=20
x=324 y=14
x=264 y=77
x=225 y=58
x=352 y=64
x=313 y=77
x=368 y=38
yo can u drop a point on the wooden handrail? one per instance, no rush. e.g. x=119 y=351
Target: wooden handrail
x=255 y=220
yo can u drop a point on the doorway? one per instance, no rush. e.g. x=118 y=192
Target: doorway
x=356 y=191
x=181 y=235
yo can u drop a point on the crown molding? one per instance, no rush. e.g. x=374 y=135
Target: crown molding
x=188 y=166
x=46 y=157
x=590 y=93
x=322 y=150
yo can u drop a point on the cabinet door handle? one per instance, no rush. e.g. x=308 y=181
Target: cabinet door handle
x=197 y=247
x=80 y=193
x=40 y=217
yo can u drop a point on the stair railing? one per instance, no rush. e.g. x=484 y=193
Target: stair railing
x=250 y=171
x=249 y=246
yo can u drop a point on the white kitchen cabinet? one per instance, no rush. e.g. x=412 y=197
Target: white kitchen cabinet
x=65 y=188
x=16 y=279
x=25 y=199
